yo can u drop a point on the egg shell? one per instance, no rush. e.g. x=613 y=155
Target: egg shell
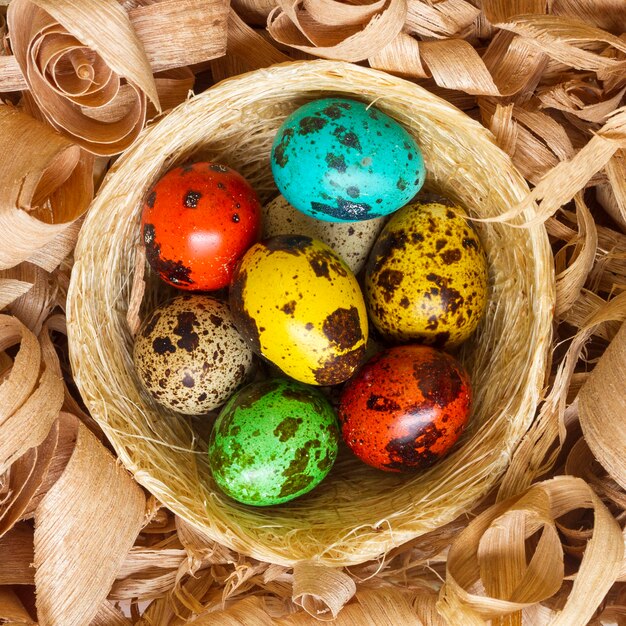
x=406 y=408
x=275 y=440
x=341 y=160
x=189 y=355
x=426 y=277
x=352 y=241
x=299 y=306
x=197 y=222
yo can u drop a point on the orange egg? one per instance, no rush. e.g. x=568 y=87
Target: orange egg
x=406 y=408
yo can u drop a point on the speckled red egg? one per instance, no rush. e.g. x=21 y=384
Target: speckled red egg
x=406 y=408
x=197 y=222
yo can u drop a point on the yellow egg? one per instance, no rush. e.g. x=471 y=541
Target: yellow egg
x=298 y=305
x=426 y=277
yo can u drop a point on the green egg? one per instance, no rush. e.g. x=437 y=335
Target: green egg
x=274 y=440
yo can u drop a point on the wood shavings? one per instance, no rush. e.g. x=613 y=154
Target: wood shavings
x=90 y=470
x=510 y=583
x=89 y=69
x=602 y=395
x=352 y=34
x=45 y=187
x=548 y=80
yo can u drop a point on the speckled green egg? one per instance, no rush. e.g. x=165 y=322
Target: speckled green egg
x=275 y=440
x=341 y=160
x=426 y=277
x=298 y=305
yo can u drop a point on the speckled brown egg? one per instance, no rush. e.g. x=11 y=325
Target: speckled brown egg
x=352 y=241
x=189 y=355
x=426 y=277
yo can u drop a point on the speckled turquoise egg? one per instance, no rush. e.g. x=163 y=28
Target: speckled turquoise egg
x=275 y=440
x=341 y=160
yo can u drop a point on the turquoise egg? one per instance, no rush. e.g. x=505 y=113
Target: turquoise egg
x=273 y=441
x=339 y=160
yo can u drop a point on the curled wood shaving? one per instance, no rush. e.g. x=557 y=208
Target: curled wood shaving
x=69 y=510
x=101 y=48
x=602 y=395
x=31 y=395
x=348 y=32
x=44 y=188
x=321 y=591
x=89 y=68
x=38 y=298
x=572 y=272
x=488 y=574
x=439 y=20
x=547 y=434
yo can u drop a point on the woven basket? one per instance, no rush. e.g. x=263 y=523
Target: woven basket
x=357 y=513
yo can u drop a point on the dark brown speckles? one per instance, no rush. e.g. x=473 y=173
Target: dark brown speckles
x=347 y=138
x=216 y=320
x=311 y=124
x=295 y=474
x=353 y=191
x=345 y=209
x=289 y=307
x=335 y=162
x=173 y=271
x=287 y=428
x=440 y=244
x=450 y=297
x=343 y=327
x=388 y=281
x=451 y=256
x=433 y=323
x=405 y=302
x=413 y=451
x=191 y=199
x=280 y=155
x=235 y=218
x=188 y=380
x=469 y=243
x=402 y=184
x=151 y=199
x=438 y=380
x=161 y=345
x=202 y=397
x=245 y=323
x=216 y=167
x=337 y=369
x=189 y=338
x=333 y=111
x=381 y=403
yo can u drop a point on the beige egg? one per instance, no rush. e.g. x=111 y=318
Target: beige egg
x=189 y=355
x=351 y=241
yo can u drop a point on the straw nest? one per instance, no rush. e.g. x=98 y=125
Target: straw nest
x=357 y=513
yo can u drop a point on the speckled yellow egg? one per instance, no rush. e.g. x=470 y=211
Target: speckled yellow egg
x=189 y=355
x=352 y=241
x=426 y=277
x=298 y=305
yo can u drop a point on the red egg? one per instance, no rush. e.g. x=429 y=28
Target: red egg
x=197 y=222
x=406 y=408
